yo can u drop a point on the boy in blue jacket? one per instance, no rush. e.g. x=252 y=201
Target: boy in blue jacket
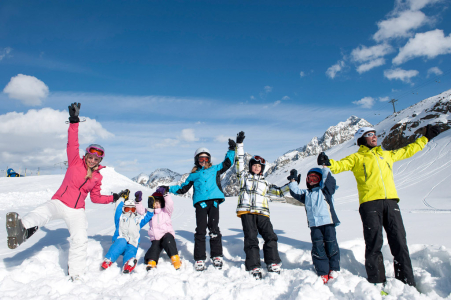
x=126 y=237
x=321 y=218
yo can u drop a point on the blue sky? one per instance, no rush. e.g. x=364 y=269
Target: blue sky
x=158 y=79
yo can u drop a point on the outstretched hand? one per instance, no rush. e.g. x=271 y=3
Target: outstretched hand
x=323 y=159
x=123 y=194
x=294 y=176
x=431 y=131
x=162 y=189
x=232 y=144
x=240 y=137
x=74 y=111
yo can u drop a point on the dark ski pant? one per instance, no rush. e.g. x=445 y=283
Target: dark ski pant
x=325 y=251
x=254 y=224
x=207 y=215
x=375 y=215
x=167 y=242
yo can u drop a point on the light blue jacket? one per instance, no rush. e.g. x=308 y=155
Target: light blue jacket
x=206 y=182
x=319 y=201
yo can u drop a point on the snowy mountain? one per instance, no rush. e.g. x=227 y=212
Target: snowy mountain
x=334 y=135
x=162 y=176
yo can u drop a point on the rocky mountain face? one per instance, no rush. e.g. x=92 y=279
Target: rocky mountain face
x=163 y=176
x=334 y=135
x=408 y=124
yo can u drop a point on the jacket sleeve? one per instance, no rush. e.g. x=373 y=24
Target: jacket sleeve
x=146 y=219
x=277 y=191
x=296 y=192
x=73 y=153
x=97 y=198
x=329 y=182
x=344 y=164
x=239 y=159
x=409 y=150
x=118 y=213
x=168 y=204
x=227 y=163
x=184 y=187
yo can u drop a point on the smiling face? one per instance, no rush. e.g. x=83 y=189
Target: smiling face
x=256 y=168
x=92 y=160
x=371 y=140
x=157 y=204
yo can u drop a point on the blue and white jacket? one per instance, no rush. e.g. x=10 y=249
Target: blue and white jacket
x=206 y=183
x=128 y=225
x=319 y=201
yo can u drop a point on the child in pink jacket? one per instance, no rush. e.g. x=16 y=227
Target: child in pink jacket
x=161 y=232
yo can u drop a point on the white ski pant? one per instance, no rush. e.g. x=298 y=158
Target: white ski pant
x=77 y=224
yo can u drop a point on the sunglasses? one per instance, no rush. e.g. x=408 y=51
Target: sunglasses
x=128 y=209
x=369 y=134
x=204 y=159
x=96 y=151
x=259 y=159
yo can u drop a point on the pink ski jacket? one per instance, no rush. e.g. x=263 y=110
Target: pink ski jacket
x=161 y=222
x=75 y=187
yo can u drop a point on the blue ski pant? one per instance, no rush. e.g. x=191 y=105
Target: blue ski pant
x=121 y=247
x=325 y=251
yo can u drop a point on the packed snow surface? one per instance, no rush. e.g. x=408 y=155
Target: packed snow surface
x=37 y=269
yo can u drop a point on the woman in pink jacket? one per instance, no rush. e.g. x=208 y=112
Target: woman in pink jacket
x=68 y=203
x=161 y=232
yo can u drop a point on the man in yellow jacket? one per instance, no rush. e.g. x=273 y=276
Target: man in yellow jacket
x=378 y=199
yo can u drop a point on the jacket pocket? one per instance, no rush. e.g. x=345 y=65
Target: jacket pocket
x=64 y=191
x=364 y=171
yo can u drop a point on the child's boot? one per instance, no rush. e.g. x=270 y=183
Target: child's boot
x=325 y=278
x=130 y=266
x=17 y=233
x=257 y=273
x=106 y=264
x=217 y=262
x=333 y=275
x=175 y=259
x=275 y=268
x=199 y=265
x=151 y=264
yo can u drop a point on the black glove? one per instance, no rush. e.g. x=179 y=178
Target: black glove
x=74 y=110
x=150 y=202
x=431 y=131
x=294 y=175
x=323 y=159
x=124 y=194
x=232 y=144
x=240 y=137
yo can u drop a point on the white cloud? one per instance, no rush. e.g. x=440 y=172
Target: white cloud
x=435 y=71
x=28 y=89
x=363 y=54
x=277 y=102
x=370 y=65
x=384 y=99
x=366 y=102
x=400 y=74
x=429 y=44
x=188 y=135
x=413 y=4
x=400 y=26
x=252 y=98
x=333 y=70
x=38 y=138
x=167 y=143
x=286 y=98
x=4 y=52
x=222 y=138
x=302 y=74
x=268 y=89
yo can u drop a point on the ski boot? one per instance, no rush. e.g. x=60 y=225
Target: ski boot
x=274 y=268
x=106 y=264
x=333 y=275
x=199 y=265
x=130 y=266
x=176 y=262
x=381 y=286
x=217 y=262
x=76 y=279
x=257 y=273
x=151 y=264
x=17 y=233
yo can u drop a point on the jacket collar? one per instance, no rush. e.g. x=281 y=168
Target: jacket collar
x=364 y=149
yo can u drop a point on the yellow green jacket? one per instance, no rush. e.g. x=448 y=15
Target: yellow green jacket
x=373 y=169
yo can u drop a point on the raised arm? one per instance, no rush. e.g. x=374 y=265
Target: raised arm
x=96 y=197
x=184 y=187
x=329 y=183
x=296 y=192
x=239 y=154
x=168 y=204
x=274 y=190
x=73 y=154
x=409 y=150
x=344 y=164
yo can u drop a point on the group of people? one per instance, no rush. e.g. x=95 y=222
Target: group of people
x=371 y=165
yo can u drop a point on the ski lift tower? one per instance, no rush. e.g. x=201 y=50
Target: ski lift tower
x=61 y=164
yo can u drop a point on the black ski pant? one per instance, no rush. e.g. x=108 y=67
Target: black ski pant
x=207 y=215
x=252 y=225
x=375 y=215
x=325 y=251
x=167 y=242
